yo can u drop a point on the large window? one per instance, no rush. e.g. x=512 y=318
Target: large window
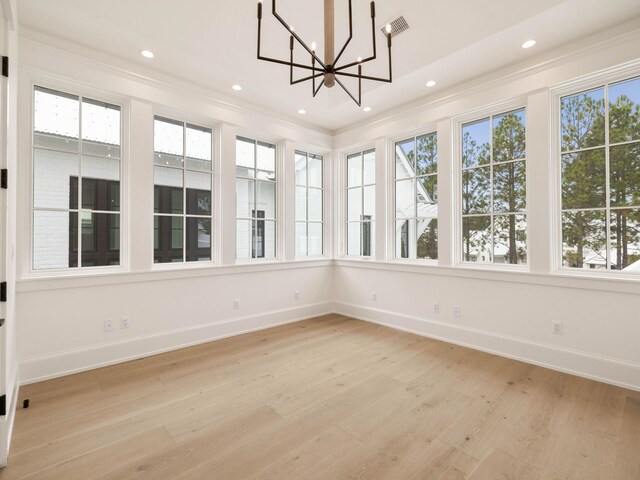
x=600 y=149
x=494 y=221
x=416 y=194
x=361 y=203
x=182 y=192
x=308 y=204
x=76 y=181
x=255 y=199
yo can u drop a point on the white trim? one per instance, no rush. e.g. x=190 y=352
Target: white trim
x=574 y=362
x=6 y=423
x=37 y=369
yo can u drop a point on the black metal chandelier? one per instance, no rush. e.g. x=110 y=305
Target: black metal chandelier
x=329 y=70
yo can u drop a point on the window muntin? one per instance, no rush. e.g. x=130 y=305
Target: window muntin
x=182 y=204
x=361 y=203
x=600 y=176
x=76 y=181
x=308 y=204
x=416 y=197
x=255 y=199
x=494 y=220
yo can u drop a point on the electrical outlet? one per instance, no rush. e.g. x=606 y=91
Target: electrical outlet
x=557 y=327
x=374 y=296
x=236 y=304
x=456 y=311
x=296 y=294
x=436 y=308
x=125 y=322
x=108 y=325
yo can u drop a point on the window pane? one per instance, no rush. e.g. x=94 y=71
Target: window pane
x=266 y=201
x=266 y=161
x=476 y=190
x=315 y=171
x=405 y=199
x=244 y=198
x=198 y=193
x=625 y=240
x=301 y=239
x=301 y=203
x=582 y=120
x=510 y=239
x=315 y=205
x=56 y=121
x=100 y=178
x=583 y=179
x=245 y=157
x=243 y=239
x=55 y=179
x=264 y=239
x=198 y=239
x=100 y=128
x=369 y=162
x=168 y=142
x=99 y=244
x=427 y=146
x=198 y=148
x=354 y=170
x=624 y=111
x=353 y=238
x=476 y=239
x=301 y=168
x=168 y=190
x=368 y=238
x=584 y=239
x=509 y=187
x=624 y=175
x=427 y=238
x=509 y=136
x=405 y=159
x=369 y=207
x=427 y=190
x=476 y=137
x=168 y=235
x=403 y=228
x=315 y=238
x=55 y=239
x=354 y=204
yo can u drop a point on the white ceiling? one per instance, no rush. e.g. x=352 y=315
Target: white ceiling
x=212 y=43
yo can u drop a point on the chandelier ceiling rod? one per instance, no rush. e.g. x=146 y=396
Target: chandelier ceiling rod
x=328 y=69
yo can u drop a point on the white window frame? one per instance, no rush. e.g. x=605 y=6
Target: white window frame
x=172 y=116
x=344 y=188
x=82 y=91
x=322 y=189
x=575 y=86
x=457 y=122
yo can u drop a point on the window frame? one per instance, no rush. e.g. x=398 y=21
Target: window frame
x=172 y=117
x=573 y=87
x=362 y=150
x=457 y=122
x=44 y=81
x=323 y=190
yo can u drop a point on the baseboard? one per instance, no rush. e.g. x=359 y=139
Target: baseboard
x=603 y=369
x=6 y=424
x=78 y=360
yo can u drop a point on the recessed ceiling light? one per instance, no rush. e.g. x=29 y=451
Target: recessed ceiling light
x=147 y=53
x=237 y=88
x=431 y=83
x=367 y=109
x=302 y=111
x=528 y=44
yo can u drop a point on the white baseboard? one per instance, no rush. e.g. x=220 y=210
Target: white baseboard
x=6 y=423
x=78 y=360
x=602 y=369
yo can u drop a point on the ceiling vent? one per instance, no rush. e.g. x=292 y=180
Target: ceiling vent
x=398 y=26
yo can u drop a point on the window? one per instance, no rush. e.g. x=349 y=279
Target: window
x=361 y=203
x=255 y=199
x=308 y=204
x=600 y=152
x=182 y=192
x=416 y=182
x=494 y=221
x=76 y=181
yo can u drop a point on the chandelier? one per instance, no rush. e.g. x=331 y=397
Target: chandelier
x=328 y=70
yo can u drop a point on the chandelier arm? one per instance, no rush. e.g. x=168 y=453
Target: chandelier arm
x=348 y=92
x=294 y=34
x=306 y=79
x=335 y=62
x=377 y=79
x=318 y=89
x=373 y=39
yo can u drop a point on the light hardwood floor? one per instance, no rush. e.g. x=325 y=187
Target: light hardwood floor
x=330 y=398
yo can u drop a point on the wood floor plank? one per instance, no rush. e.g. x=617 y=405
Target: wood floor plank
x=331 y=397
